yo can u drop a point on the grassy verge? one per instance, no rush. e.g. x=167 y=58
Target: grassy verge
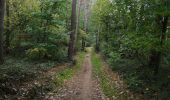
x=70 y=71
x=105 y=83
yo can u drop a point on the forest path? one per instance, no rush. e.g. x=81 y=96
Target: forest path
x=83 y=86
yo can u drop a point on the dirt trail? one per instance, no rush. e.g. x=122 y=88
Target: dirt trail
x=83 y=86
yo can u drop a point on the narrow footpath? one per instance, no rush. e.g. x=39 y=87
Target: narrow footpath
x=83 y=86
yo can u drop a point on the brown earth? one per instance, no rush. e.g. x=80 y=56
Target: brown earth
x=83 y=86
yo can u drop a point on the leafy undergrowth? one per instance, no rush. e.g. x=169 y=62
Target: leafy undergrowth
x=112 y=85
x=18 y=77
x=22 y=79
x=66 y=74
x=140 y=78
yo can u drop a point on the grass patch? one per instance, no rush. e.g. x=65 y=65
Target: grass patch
x=67 y=74
x=105 y=82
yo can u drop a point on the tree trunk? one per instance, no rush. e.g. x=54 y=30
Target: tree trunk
x=7 y=40
x=73 y=31
x=67 y=15
x=2 y=10
x=97 y=40
x=85 y=16
x=155 y=57
x=78 y=24
x=83 y=44
x=154 y=61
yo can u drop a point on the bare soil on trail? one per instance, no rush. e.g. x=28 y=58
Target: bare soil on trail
x=83 y=86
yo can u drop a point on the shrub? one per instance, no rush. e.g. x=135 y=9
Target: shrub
x=47 y=51
x=36 y=53
x=114 y=58
x=54 y=52
x=18 y=50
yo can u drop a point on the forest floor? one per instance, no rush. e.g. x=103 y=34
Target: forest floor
x=90 y=79
x=93 y=81
x=33 y=88
x=83 y=86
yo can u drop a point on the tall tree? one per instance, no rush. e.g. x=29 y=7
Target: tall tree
x=86 y=18
x=73 y=31
x=97 y=40
x=155 y=57
x=2 y=9
x=7 y=40
x=78 y=23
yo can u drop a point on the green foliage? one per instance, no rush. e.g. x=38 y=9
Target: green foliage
x=47 y=51
x=140 y=78
x=130 y=30
x=63 y=76
x=134 y=82
x=36 y=53
x=16 y=71
x=123 y=26
x=83 y=39
x=20 y=69
x=54 y=52
x=41 y=26
x=114 y=57
x=69 y=72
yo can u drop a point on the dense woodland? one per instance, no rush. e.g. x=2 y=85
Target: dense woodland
x=132 y=37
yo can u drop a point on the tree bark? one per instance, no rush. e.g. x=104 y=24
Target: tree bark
x=85 y=15
x=2 y=10
x=154 y=61
x=73 y=31
x=97 y=40
x=155 y=57
x=83 y=44
x=78 y=25
x=7 y=40
x=67 y=15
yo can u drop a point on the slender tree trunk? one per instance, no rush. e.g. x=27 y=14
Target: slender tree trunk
x=86 y=9
x=7 y=40
x=83 y=44
x=97 y=40
x=2 y=10
x=67 y=13
x=164 y=29
x=85 y=15
x=73 y=31
x=154 y=62
x=78 y=17
x=155 y=58
x=78 y=24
